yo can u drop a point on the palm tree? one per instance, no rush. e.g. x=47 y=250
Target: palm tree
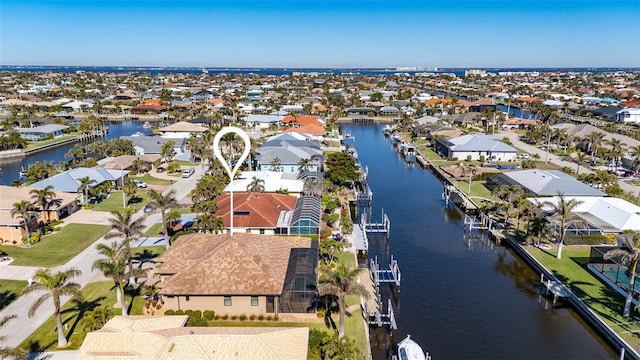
x=85 y=187
x=595 y=139
x=125 y=227
x=23 y=210
x=562 y=210
x=114 y=266
x=304 y=164
x=617 y=151
x=629 y=255
x=9 y=352
x=129 y=188
x=164 y=203
x=256 y=185
x=44 y=198
x=276 y=164
x=581 y=157
x=340 y=282
x=56 y=285
x=635 y=152
x=76 y=154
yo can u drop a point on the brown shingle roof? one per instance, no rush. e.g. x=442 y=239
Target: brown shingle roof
x=242 y=264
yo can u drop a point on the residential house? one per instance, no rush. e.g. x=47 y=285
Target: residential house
x=273 y=181
x=145 y=145
x=254 y=212
x=240 y=274
x=543 y=183
x=166 y=337
x=182 y=129
x=475 y=146
x=43 y=132
x=482 y=106
x=289 y=157
x=125 y=162
x=628 y=115
x=69 y=182
x=12 y=229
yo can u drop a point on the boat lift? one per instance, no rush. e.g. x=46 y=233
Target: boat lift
x=383 y=227
x=392 y=275
x=380 y=319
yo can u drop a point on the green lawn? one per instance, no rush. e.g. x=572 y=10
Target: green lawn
x=477 y=189
x=57 y=249
x=572 y=271
x=114 y=201
x=96 y=294
x=149 y=252
x=10 y=290
x=154 y=230
x=152 y=180
x=37 y=144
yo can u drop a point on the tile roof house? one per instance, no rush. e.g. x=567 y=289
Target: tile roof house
x=273 y=181
x=240 y=274
x=254 y=212
x=166 y=337
x=475 y=146
x=12 y=229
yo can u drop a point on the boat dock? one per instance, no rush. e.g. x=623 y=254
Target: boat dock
x=360 y=241
x=553 y=287
x=392 y=275
x=382 y=227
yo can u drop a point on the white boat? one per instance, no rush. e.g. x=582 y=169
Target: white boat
x=387 y=129
x=410 y=350
x=146 y=125
x=23 y=173
x=138 y=134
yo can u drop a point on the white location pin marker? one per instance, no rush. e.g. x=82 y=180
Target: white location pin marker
x=225 y=163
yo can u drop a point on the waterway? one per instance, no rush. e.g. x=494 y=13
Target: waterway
x=10 y=170
x=458 y=301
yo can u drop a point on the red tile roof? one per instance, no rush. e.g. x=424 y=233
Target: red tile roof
x=264 y=208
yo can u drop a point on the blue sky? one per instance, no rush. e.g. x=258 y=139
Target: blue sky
x=317 y=33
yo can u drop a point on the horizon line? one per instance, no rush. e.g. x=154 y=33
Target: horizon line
x=426 y=68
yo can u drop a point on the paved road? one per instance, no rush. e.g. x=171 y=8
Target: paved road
x=19 y=329
x=545 y=156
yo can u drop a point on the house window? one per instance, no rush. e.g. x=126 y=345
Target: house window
x=254 y=301
x=261 y=231
x=186 y=298
x=227 y=301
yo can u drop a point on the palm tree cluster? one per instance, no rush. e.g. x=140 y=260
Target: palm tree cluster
x=42 y=201
x=628 y=255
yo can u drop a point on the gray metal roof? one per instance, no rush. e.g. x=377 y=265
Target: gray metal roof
x=68 y=180
x=44 y=129
x=152 y=144
x=547 y=182
x=288 y=155
x=479 y=143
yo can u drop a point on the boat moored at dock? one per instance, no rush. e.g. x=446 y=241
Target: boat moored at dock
x=410 y=350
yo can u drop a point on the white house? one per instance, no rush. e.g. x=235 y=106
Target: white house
x=628 y=115
x=475 y=146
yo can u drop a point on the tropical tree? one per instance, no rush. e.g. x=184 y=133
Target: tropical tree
x=113 y=265
x=76 y=154
x=85 y=187
x=9 y=352
x=304 y=164
x=276 y=164
x=340 y=282
x=124 y=226
x=628 y=254
x=23 y=209
x=140 y=166
x=44 y=198
x=562 y=211
x=163 y=203
x=581 y=158
x=166 y=150
x=595 y=139
x=56 y=285
x=130 y=188
x=256 y=185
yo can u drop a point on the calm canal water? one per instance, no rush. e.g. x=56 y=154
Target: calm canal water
x=10 y=170
x=458 y=301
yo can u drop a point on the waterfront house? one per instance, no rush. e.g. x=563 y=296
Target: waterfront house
x=182 y=129
x=273 y=181
x=289 y=157
x=466 y=119
x=43 y=132
x=148 y=109
x=12 y=229
x=125 y=162
x=482 y=106
x=543 y=183
x=360 y=112
x=145 y=145
x=628 y=115
x=389 y=111
x=254 y=212
x=261 y=121
x=475 y=146
x=167 y=337
x=240 y=274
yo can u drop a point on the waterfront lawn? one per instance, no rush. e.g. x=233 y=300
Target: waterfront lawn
x=58 y=248
x=96 y=294
x=154 y=230
x=10 y=290
x=572 y=271
x=477 y=189
x=152 y=180
x=114 y=201
x=354 y=324
x=148 y=252
x=36 y=144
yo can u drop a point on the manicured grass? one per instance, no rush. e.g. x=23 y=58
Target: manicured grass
x=10 y=290
x=149 y=251
x=154 y=230
x=149 y=179
x=266 y=323
x=57 y=249
x=605 y=302
x=477 y=189
x=348 y=258
x=114 y=201
x=97 y=294
x=37 y=144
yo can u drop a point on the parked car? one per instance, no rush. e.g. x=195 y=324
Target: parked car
x=187 y=173
x=523 y=156
x=160 y=169
x=148 y=209
x=490 y=164
x=140 y=184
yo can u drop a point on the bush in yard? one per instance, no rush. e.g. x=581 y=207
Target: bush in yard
x=242 y=317
x=208 y=314
x=169 y=312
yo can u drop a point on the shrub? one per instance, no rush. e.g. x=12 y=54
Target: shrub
x=596 y=239
x=481 y=159
x=260 y=317
x=320 y=313
x=56 y=222
x=179 y=312
x=252 y=317
x=268 y=318
x=242 y=317
x=57 y=228
x=225 y=317
x=216 y=317
x=234 y=317
x=169 y=312
x=208 y=314
x=468 y=157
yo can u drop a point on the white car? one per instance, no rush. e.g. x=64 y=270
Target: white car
x=140 y=184
x=187 y=173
